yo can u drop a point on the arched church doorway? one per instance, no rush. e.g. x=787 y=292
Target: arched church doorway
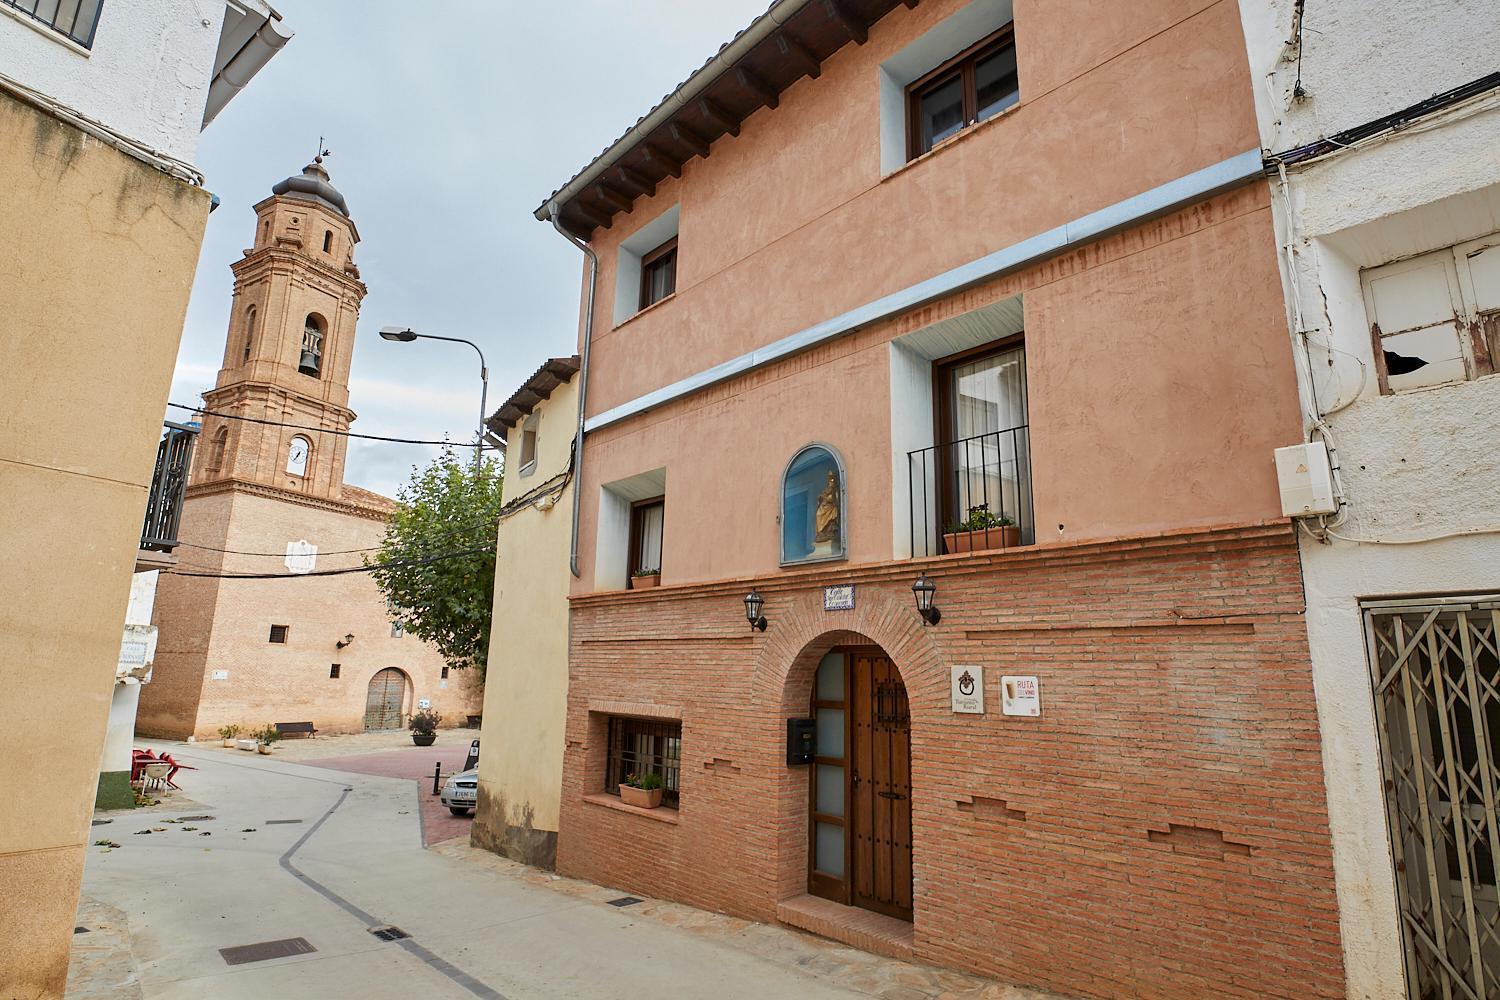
x=385 y=700
x=860 y=848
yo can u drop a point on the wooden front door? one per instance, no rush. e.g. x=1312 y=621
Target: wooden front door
x=384 y=701
x=871 y=813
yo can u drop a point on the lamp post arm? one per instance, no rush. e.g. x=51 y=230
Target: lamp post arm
x=484 y=392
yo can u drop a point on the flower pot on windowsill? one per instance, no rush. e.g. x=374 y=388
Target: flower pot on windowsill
x=645 y=581
x=643 y=798
x=982 y=539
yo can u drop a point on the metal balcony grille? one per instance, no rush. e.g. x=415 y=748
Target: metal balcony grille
x=1437 y=705
x=982 y=482
x=174 y=456
x=75 y=20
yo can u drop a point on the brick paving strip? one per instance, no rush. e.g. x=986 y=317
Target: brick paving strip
x=850 y=968
x=101 y=966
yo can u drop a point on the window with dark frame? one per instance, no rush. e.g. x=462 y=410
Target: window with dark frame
x=659 y=273
x=445 y=671
x=647 y=525
x=333 y=671
x=984 y=454
x=75 y=20
x=644 y=746
x=974 y=85
x=278 y=634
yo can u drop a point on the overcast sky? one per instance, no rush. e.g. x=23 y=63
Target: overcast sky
x=449 y=123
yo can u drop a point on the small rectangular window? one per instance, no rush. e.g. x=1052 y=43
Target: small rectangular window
x=75 y=20
x=333 y=672
x=397 y=630
x=445 y=671
x=527 y=458
x=974 y=85
x=278 y=634
x=659 y=273
x=647 y=522
x=644 y=746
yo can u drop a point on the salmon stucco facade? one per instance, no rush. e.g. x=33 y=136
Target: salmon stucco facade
x=267 y=497
x=929 y=553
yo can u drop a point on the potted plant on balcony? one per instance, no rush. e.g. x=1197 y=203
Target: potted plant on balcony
x=423 y=727
x=982 y=530
x=228 y=733
x=265 y=736
x=645 y=579
x=642 y=790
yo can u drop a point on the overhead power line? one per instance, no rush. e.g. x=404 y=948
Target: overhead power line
x=462 y=529
x=316 y=430
x=394 y=564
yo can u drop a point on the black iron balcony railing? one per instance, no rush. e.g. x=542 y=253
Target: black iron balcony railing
x=75 y=20
x=971 y=494
x=174 y=457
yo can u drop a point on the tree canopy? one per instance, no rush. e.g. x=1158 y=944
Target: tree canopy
x=436 y=565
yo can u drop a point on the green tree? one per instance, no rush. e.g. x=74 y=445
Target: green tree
x=437 y=563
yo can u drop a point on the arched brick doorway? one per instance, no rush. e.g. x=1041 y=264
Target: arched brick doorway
x=860 y=823
x=385 y=700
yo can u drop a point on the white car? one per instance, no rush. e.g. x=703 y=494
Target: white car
x=460 y=792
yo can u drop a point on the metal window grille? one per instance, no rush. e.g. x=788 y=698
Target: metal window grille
x=1437 y=704
x=948 y=484
x=642 y=746
x=174 y=457
x=75 y=20
x=278 y=633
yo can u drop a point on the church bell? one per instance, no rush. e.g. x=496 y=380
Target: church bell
x=309 y=365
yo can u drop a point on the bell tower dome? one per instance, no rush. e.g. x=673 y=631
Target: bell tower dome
x=291 y=340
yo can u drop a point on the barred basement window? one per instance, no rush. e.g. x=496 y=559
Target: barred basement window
x=278 y=634
x=644 y=746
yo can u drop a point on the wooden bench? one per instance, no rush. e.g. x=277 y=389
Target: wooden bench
x=295 y=729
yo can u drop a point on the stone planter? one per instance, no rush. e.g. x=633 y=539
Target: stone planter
x=424 y=741
x=264 y=748
x=248 y=745
x=229 y=743
x=645 y=582
x=981 y=540
x=641 y=797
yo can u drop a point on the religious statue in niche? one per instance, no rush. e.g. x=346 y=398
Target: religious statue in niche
x=828 y=530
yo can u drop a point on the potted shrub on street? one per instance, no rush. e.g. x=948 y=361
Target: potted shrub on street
x=643 y=790
x=982 y=530
x=423 y=727
x=228 y=733
x=265 y=737
x=645 y=579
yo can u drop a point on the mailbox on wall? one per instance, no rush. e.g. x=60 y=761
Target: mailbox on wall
x=800 y=736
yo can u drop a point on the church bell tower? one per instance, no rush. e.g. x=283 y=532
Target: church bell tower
x=291 y=340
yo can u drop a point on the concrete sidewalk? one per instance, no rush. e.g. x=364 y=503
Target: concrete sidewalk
x=298 y=852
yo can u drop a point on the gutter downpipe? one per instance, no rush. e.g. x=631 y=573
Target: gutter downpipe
x=554 y=213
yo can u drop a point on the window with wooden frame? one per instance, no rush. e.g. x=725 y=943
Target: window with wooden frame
x=644 y=746
x=647 y=522
x=974 y=85
x=984 y=440
x=659 y=273
x=278 y=634
x=527 y=457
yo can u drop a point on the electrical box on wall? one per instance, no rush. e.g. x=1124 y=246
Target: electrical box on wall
x=1306 y=479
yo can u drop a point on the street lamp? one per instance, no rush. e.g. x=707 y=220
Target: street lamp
x=405 y=335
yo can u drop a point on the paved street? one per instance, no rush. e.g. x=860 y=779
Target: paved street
x=298 y=851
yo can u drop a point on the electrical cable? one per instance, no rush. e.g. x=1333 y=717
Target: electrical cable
x=462 y=529
x=395 y=564
x=1463 y=533
x=317 y=430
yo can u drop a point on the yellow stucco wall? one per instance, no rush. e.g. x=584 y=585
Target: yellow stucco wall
x=526 y=689
x=97 y=254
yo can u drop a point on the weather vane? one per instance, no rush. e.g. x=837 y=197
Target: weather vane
x=321 y=151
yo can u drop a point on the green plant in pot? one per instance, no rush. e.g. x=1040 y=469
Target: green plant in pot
x=645 y=579
x=423 y=727
x=982 y=529
x=265 y=736
x=642 y=790
x=228 y=734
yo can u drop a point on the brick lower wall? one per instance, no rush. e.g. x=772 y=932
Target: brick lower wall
x=1159 y=831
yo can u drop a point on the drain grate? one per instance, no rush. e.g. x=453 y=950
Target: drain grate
x=100 y=822
x=193 y=819
x=274 y=822
x=266 y=950
x=390 y=932
x=80 y=929
x=626 y=901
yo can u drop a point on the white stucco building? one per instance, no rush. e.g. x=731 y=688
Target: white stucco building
x=1381 y=125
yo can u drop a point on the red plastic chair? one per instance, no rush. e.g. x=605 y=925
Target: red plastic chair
x=166 y=758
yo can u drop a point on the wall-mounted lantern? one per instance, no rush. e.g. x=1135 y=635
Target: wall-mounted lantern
x=753 y=603
x=924 y=590
x=347 y=640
